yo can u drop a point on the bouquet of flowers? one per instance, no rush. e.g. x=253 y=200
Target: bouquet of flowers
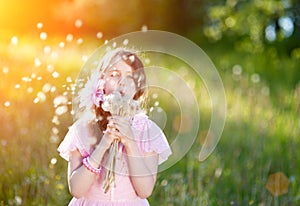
x=123 y=106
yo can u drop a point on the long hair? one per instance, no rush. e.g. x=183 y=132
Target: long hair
x=139 y=77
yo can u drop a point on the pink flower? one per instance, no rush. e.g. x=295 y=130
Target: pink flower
x=93 y=91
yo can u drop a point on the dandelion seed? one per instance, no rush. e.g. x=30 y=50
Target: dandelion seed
x=5 y=70
x=105 y=42
x=69 y=37
x=54 y=139
x=29 y=90
x=84 y=58
x=7 y=103
x=218 y=172
x=39 y=78
x=53 y=89
x=78 y=23
x=46 y=87
x=55 y=120
x=147 y=61
x=61 y=110
x=114 y=45
x=50 y=68
x=33 y=75
x=17 y=86
x=55 y=75
x=43 y=35
x=61 y=44
x=79 y=41
x=99 y=35
x=47 y=49
x=60 y=100
x=156 y=103
x=151 y=109
x=144 y=28
x=125 y=42
x=36 y=100
x=55 y=130
x=72 y=112
x=69 y=79
x=14 y=40
x=37 y=62
x=154 y=95
x=39 y=25
x=54 y=55
x=53 y=161
x=26 y=79
x=41 y=96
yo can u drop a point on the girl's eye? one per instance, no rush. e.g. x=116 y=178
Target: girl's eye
x=114 y=74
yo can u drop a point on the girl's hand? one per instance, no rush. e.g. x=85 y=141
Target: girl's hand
x=121 y=128
x=108 y=137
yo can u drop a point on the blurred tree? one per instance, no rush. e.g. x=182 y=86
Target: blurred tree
x=254 y=24
x=264 y=35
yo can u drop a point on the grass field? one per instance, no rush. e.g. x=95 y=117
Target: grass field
x=260 y=138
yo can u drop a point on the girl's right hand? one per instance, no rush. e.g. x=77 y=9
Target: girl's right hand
x=108 y=137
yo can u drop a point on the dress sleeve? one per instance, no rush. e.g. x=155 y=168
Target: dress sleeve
x=71 y=142
x=151 y=138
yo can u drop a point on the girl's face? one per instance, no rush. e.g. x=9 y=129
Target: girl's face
x=119 y=78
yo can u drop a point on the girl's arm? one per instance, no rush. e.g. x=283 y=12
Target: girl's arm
x=142 y=167
x=142 y=170
x=80 y=178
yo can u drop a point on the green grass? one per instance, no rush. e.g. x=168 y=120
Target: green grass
x=261 y=137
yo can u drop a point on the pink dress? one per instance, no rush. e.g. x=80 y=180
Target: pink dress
x=81 y=136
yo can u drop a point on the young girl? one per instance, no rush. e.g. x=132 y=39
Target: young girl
x=142 y=144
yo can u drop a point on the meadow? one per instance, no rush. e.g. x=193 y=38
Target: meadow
x=260 y=137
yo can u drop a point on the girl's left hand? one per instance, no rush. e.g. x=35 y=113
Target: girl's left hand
x=123 y=128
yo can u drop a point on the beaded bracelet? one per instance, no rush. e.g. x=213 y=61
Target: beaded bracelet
x=87 y=164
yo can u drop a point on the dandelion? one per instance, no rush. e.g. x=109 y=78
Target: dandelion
x=123 y=106
x=18 y=200
x=255 y=78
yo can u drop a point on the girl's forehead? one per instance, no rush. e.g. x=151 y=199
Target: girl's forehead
x=120 y=66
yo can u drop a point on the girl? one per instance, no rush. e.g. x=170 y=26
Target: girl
x=142 y=144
